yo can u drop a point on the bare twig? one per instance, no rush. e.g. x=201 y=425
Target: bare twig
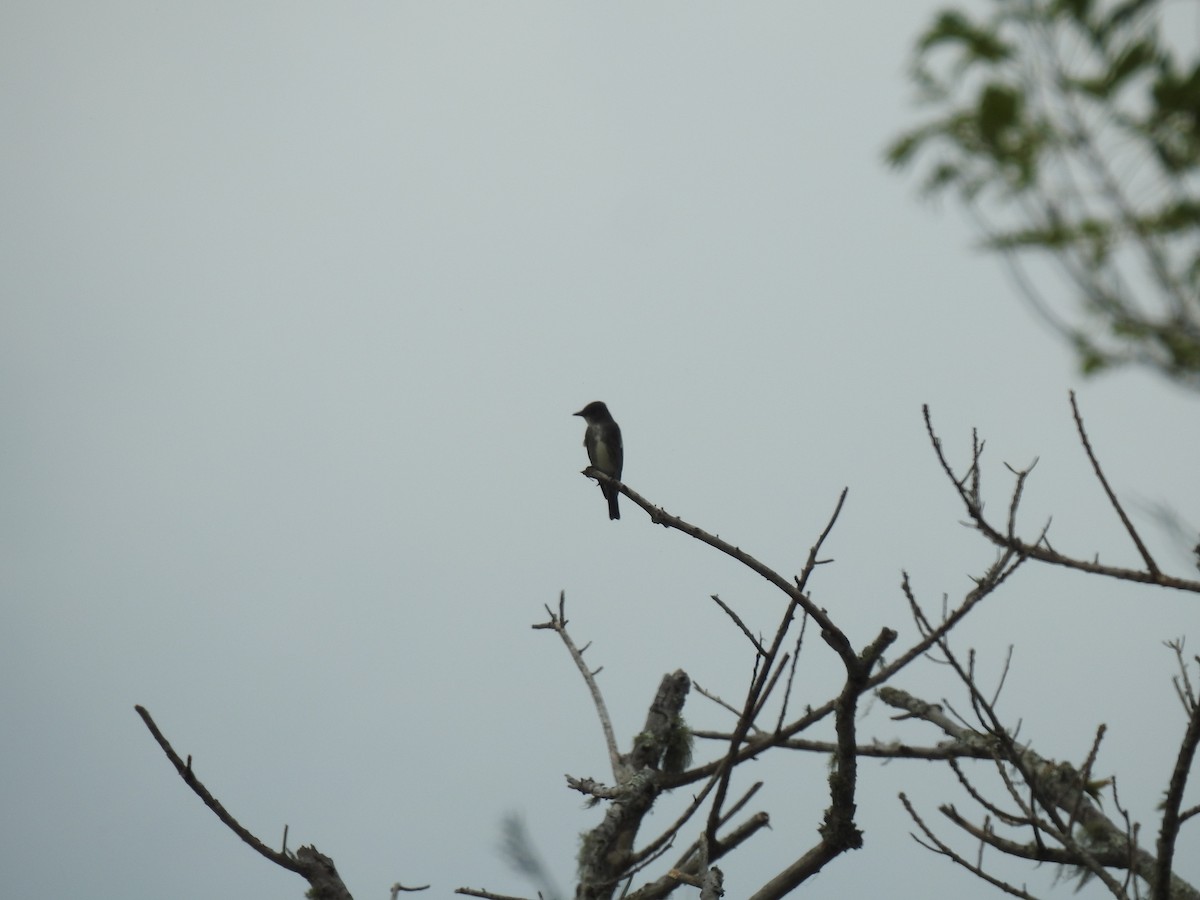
x=740 y=624
x=1151 y=566
x=1041 y=549
x=787 y=691
x=724 y=704
x=398 y=888
x=313 y=866
x=558 y=624
x=938 y=846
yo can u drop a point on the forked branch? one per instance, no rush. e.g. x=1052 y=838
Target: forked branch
x=1040 y=549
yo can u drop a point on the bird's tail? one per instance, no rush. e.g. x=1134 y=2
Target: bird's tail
x=611 y=495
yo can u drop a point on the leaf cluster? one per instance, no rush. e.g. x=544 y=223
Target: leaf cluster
x=1070 y=128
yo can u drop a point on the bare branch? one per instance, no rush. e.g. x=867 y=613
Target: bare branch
x=558 y=624
x=724 y=705
x=486 y=895
x=766 y=678
x=1183 y=682
x=694 y=860
x=1169 y=830
x=316 y=868
x=398 y=888
x=1041 y=549
x=787 y=692
x=740 y=624
x=1151 y=566
x=659 y=516
x=939 y=846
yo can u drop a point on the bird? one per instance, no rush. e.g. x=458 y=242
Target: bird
x=602 y=438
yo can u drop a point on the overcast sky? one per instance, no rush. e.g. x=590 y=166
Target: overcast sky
x=298 y=299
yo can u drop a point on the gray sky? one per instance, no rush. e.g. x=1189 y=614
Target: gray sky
x=298 y=300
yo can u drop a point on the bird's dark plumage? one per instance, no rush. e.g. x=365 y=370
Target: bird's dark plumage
x=605 y=452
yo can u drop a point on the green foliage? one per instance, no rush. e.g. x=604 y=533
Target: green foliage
x=1072 y=130
x=975 y=44
x=1174 y=124
x=1134 y=59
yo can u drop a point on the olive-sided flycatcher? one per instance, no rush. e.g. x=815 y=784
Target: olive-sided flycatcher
x=603 y=442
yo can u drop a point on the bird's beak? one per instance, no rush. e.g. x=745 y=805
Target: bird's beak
x=580 y=413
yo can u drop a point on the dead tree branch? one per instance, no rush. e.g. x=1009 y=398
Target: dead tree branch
x=968 y=488
x=558 y=624
x=316 y=868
